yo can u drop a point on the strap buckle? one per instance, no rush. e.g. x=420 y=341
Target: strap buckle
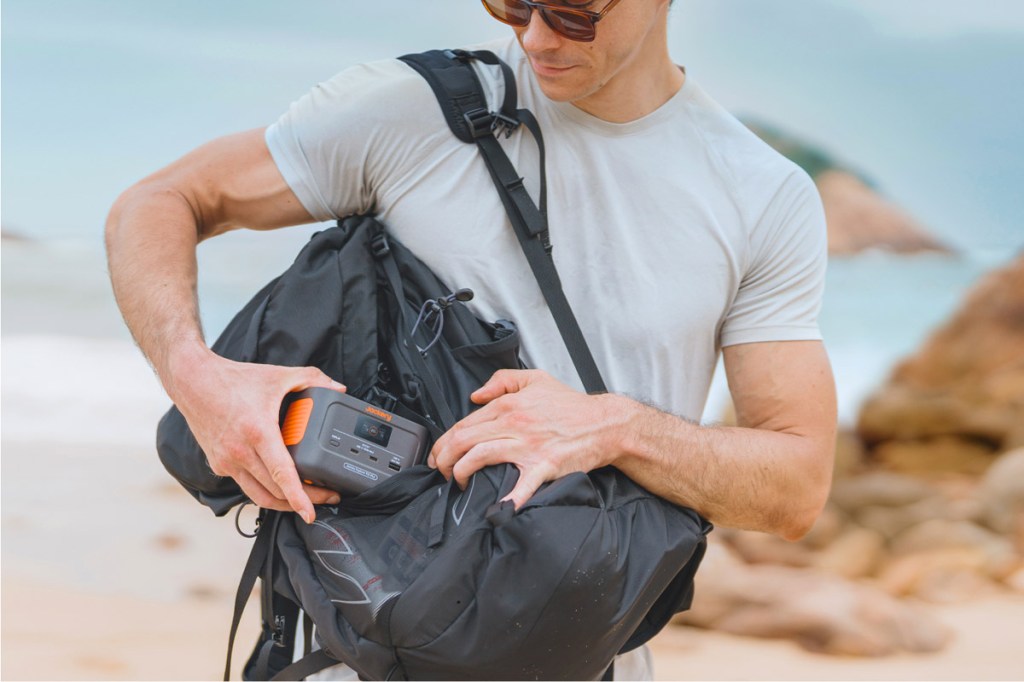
x=545 y=240
x=504 y=124
x=480 y=122
x=278 y=635
x=379 y=245
x=457 y=55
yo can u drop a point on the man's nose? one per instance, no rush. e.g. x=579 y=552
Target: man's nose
x=538 y=36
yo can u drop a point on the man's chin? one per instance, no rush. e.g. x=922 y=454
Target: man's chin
x=559 y=91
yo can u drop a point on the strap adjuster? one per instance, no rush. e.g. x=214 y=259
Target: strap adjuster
x=379 y=245
x=480 y=122
x=457 y=55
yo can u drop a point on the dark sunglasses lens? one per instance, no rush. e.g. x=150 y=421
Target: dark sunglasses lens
x=510 y=12
x=572 y=26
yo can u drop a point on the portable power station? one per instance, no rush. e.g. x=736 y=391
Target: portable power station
x=345 y=444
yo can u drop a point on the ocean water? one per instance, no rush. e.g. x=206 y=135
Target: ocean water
x=924 y=98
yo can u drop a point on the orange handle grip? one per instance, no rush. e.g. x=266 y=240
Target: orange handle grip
x=296 y=421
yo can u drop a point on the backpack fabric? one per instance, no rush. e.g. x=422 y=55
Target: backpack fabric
x=333 y=309
x=415 y=578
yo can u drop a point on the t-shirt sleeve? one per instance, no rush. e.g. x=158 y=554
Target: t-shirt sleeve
x=339 y=145
x=779 y=295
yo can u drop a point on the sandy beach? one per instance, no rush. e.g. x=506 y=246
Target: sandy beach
x=111 y=571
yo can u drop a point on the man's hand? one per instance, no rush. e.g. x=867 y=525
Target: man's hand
x=771 y=473
x=152 y=233
x=232 y=409
x=531 y=420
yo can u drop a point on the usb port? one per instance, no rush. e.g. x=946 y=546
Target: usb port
x=354 y=451
x=394 y=467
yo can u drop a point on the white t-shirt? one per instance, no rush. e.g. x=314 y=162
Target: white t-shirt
x=674 y=235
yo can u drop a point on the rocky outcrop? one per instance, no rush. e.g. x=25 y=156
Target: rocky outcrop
x=858 y=217
x=885 y=543
x=10 y=235
x=927 y=503
x=959 y=401
x=820 y=611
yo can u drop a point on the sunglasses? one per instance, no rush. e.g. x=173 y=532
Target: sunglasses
x=565 y=20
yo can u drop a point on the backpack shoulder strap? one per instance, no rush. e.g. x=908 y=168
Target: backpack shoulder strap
x=460 y=94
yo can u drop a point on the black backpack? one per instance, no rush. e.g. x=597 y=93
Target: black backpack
x=415 y=579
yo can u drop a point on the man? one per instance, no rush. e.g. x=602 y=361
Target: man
x=676 y=232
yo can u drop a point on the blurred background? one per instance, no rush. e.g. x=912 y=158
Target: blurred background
x=908 y=115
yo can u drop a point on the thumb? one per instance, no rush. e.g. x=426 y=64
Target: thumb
x=311 y=377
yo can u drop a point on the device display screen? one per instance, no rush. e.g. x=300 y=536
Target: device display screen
x=373 y=430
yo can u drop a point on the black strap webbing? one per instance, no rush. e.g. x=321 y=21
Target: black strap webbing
x=306 y=666
x=258 y=556
x=465 y=108
x=530 y=225
x=307 y=634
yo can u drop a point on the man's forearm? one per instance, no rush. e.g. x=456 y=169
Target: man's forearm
x=739 y=477
x=151 y=240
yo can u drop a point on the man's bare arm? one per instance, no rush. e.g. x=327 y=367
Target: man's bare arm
x=773 y=470
x=151 y=234
x=770 y=473
x=154 y=227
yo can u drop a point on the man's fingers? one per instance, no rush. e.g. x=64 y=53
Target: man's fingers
x=256 y=492
x=280 y=467
x=480 y=456
x=262 y=497
x=501 y=382
x=473 y=431
x=529 y=481
x=275 y=468
x=318 y=495
x=287 y=479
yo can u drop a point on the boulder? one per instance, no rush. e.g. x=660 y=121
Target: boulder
x=891 y=521
x=993 y=556
x=944 y=454
x=854 y=554
x=1001 y=496
x=850 y=455
x=962 y=393
x=1015 y=581
x=826 y=528
x=763 y=548
x=942 y=576
x=879 y=488
x=821 y=612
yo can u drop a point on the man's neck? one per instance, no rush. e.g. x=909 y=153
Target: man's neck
x=641 y=85
x=630 y=96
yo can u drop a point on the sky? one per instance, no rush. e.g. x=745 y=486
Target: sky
x=922 y=97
